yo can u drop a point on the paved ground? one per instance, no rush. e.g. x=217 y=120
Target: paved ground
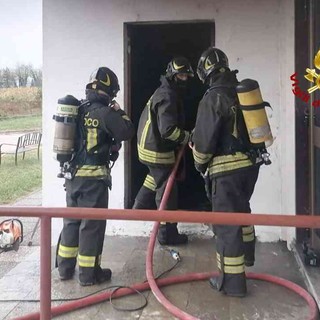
x=31 y=242
x=126 y=256
x=19 y=281
x=9 y=138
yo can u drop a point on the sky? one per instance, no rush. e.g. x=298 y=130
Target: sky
x=20 y=33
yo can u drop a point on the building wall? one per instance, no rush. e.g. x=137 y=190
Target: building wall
x=258 y=37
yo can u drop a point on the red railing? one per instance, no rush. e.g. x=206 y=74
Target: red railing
x=46 y=214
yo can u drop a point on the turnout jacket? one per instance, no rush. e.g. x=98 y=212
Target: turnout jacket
x=100 y=127
x=160 y=126
x=217 y=140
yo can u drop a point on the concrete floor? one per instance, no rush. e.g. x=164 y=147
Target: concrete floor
x=126 y=257
x=19 y=280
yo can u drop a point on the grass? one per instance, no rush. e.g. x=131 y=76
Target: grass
x=18 y=181
x=20 y=123
x=20 y=110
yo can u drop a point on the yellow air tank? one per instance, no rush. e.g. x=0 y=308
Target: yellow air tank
x=254 y=113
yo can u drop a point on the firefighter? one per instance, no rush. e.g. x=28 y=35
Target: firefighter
x=230 y=167
x=101 y=128
x=160 y=134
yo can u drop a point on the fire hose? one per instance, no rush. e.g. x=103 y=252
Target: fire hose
x=154 y=285
x=198 y=276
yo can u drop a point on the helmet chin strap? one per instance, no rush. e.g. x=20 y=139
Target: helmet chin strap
x=213 y=77
x=102 y=92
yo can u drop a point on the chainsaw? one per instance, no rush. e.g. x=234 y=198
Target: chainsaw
x=11 y=234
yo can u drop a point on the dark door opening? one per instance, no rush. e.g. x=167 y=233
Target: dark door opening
x=148 y=49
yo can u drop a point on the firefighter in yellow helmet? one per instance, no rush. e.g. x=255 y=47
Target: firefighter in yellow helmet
x=102 y=126
x=229 y=165
x=160 y=133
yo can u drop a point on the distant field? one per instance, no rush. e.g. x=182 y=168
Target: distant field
x=20 y=101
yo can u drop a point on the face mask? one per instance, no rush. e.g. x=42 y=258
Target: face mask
x=181 y=84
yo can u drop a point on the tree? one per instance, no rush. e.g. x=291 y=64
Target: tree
x=1 y=79
x=23 y=72
x=36 y=76
x=22 y=76
x=8 y=78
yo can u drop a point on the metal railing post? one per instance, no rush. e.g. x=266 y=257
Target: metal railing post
x=45 y=268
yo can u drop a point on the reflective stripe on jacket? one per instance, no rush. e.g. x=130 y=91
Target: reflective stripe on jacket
x=216 y=144
x=160 y=126
x=100 y=123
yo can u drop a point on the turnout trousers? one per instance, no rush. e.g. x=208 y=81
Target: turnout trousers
x=81 y=238
x=235 y=244
x=150 y=196
x=152 y=190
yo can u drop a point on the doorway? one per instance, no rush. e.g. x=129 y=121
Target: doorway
x=307 y=44
x=148 y=48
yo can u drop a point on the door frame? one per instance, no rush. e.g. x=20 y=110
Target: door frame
x=307 y=13
x=127 y=85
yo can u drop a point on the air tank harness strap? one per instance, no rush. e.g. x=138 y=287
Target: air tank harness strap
x=64 y=119
x=96 y=160
x=256 y=106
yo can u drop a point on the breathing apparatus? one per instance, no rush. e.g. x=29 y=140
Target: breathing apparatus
x=69 y=136
x=64 y=143
x=252 y=106
x=255 y=117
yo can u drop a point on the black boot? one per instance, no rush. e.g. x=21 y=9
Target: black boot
x=248 y=263
x=66 y=275
x=100 y=276
x=216 y=284
x=168 y=235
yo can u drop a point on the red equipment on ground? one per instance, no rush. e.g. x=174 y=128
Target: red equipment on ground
x=11 y=234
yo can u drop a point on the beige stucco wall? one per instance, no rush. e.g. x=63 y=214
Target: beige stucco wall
x=258 y=37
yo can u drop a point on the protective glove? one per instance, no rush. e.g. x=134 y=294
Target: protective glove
x=207 y=184
x=186 y=138
x=114 y=151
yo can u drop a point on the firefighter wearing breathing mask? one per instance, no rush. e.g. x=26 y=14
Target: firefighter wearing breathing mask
x=160 y=133
x=100 y=130
x=230 y=165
